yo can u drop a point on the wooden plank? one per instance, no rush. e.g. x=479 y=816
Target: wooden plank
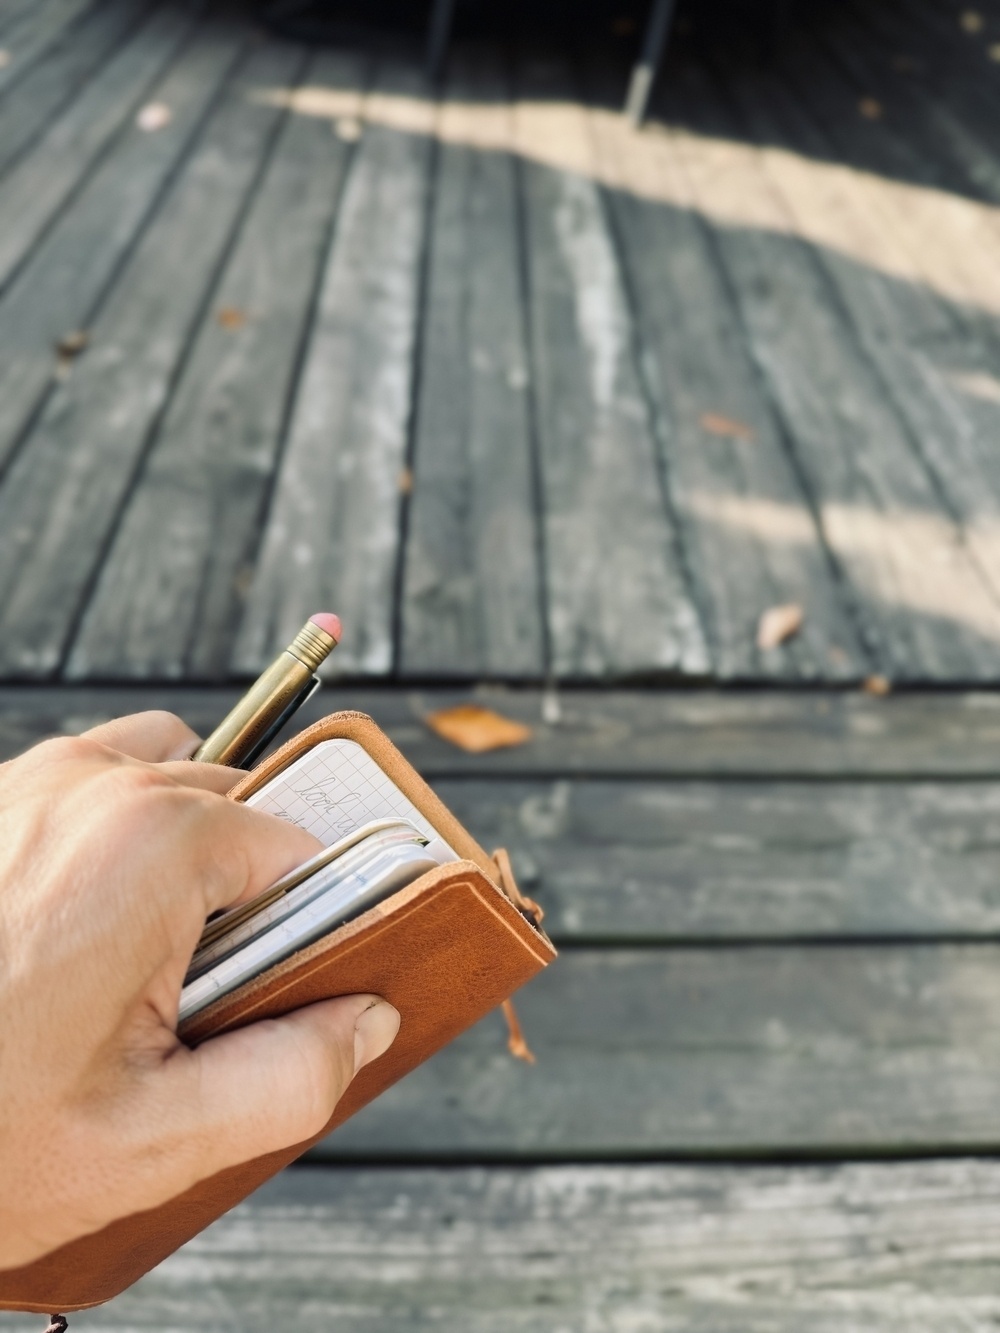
x=169 y=596
x=651 y=734
x=925 y=609
x=471 y=577
x=33 y=29
x=921 y=348
x=750 y=536
x=55 y=80
x=61 y=497
x=60 y=287
x=640 y=862
x=39 y=185
x=473 y=1250
x=332 y=536
x=617 y=599
x=727 y=1051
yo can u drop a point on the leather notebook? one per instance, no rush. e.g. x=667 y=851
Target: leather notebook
x=445 y=950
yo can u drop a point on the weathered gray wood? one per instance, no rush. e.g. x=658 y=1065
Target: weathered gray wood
x=61 y=496
x=34 y=190
x=926 y=609
x=61 y=285
x=32 y=30
x=471 y=578
x=619 y=1248
x=617 y=598
x=750 y=537
x=332 y=537
x=688 y=734
x=641 y=861
x=170 y=591
x=922 y=140
x=56 y=79
x=748 y=1051
x=921 y=352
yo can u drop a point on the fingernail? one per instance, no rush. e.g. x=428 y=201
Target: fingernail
x=374 y=1032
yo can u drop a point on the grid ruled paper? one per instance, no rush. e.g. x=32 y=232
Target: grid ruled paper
x=334 y=789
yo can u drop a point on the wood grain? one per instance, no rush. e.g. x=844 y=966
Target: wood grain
x=62 y=284
x=471 y=579
x=34 y=190
x=925 y=609
x=696 y=365
x=642 y=862
x=616 y=606
x=332 y=536
x=471 y=1250
x=714 y=1052
x=31 y=30
x=173 y=584
x=56 y=79
x=59 y=501
x=650 y=734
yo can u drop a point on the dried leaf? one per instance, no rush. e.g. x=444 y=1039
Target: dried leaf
x=72 y=344
x=405 y=482
x=717 y=424
x=870 y=108
x=779 y=623
x=347 y=128
x=879 y=686
x=153 y=116
x=971 y=21
x=476 y=729
x=230 y=317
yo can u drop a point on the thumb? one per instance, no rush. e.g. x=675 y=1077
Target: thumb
x=272 y=1084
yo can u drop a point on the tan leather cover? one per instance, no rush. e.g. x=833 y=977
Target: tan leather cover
x=445 y=951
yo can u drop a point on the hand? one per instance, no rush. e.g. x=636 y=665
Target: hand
x=114 y=848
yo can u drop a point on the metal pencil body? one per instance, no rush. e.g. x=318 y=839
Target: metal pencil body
x=270 y=701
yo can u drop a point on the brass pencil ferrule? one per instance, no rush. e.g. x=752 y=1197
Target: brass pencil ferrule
x=269 y=702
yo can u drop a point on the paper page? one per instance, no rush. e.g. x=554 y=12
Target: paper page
x=334 y=789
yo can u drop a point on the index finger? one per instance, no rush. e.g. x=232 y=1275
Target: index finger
x=153 y=736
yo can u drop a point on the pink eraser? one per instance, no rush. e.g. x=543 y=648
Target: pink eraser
x=328 y=623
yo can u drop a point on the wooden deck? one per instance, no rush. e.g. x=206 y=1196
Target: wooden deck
x=546 y=408
x=767 y=1090
x=523 y=394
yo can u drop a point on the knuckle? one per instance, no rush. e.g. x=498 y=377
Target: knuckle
x=69 y=750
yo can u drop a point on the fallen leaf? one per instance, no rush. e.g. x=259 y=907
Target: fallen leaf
x=477 y=729
x=877 y=685
x=4 y=59
x=347 y=128
x=405 y=481
x=72 y=344
x=230 y=317
x=870 y=108
x=153 y=116
x=779 y=623
x=971 y=21
x=717 y=424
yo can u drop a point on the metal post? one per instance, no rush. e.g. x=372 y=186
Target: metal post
x=643 y=75
x=438 y=32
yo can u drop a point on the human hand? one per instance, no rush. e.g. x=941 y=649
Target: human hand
x=114 y=848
